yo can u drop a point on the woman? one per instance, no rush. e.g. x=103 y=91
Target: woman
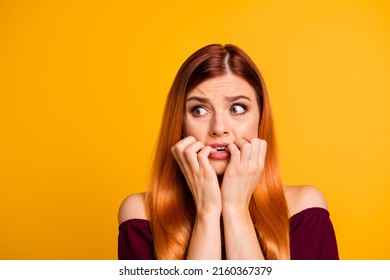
x=215 y=188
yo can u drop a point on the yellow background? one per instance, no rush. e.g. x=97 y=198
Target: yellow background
x=82 y=89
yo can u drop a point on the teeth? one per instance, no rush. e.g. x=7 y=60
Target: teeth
x=220 y=149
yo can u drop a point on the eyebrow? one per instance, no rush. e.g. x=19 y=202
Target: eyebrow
x=229 y=98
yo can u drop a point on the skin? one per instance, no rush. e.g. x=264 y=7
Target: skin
x=222 y=110
x=222 y=187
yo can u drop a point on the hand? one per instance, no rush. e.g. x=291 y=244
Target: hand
x=243 y=171
x=192 y=157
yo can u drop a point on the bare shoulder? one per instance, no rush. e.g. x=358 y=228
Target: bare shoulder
x=302 y=197
x=132 y=207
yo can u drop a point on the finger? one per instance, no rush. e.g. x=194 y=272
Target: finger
x=256 y=148
x=240 y=142
x=203 y=158
x=178 y=149
x=262 y=152
x=182 y=144
x=245 y=148
x=190 y=154
x=235 y=154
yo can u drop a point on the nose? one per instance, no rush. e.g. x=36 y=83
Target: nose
x=219 y=126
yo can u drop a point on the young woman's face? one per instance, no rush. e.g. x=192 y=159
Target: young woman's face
x=220 y=110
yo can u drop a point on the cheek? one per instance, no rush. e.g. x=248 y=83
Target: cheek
x=248 y=129
x=190 y=128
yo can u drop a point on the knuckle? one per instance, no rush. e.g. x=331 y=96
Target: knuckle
x=199 y=143
x=200 y=155
x=260 y=165
x=252 y=171
x=175 y=149
x=187 y=152
x=246 y=146
x=179 y=146
x=204 y=152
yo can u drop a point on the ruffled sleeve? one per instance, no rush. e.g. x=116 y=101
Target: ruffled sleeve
x=135 y=241
x=312 y=236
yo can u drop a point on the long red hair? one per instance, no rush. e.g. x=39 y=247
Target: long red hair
x=170 y=205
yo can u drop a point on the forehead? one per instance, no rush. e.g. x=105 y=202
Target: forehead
x=223 y=86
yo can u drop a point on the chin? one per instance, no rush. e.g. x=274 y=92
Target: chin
x=219 y=166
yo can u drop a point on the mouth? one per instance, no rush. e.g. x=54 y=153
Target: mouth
x=220 y=147
x=221 y=151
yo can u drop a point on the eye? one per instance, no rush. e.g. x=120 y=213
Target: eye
x=238 y=109
x=199 y=111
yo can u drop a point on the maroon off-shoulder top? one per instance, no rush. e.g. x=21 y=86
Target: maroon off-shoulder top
x=312 y=237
